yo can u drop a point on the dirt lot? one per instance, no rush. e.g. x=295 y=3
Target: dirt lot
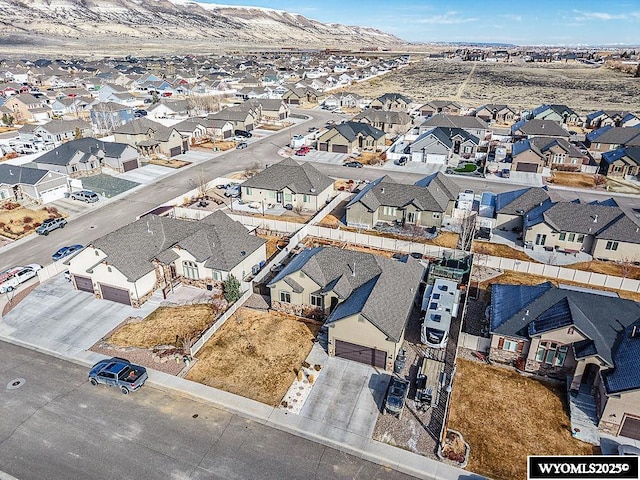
x=226 y=145
x=272 y=242
x=255 y=354
x=577 y=180
x=17 y=221
x=169 y=162
x=516 y=417
x=500 y=250
x=371 y=158
x=583 y=88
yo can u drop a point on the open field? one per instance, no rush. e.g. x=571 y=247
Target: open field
x=517 y=416
x=519 y=85
x=255 y=354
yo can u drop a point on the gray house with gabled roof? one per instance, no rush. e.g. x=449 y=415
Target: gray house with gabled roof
x=42 y=186
x=424 y=204
x=348 y=137
x=288 y=182
x=131 y=263
x=589 y=338
x=439 y=144
x=512 y=206
x=367 y=299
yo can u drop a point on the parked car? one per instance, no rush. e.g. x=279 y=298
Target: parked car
x=303 y=151
x=313 y=129
x=118 y=372
x=243 y=133
x=506 y=173
x=66 y=251
x=396 y=395
x=85 y=195
x=353 y=164
x=242 y=145
x=21 y=275
x=50 y=224
x=140 y=113
x=402 y=160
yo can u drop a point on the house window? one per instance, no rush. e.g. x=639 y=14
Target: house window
x=598 y=146
x=316 y=300
x=389 y=211
x=551 y=353
x=247 y=190
x=285 y=297
x=510 y=345
x=580 y=238
x=559 y=158
x=613 y=147
x=611 y=246
x=572 y=237
x=305 y=198
x=436 y=214
x=562 y=236
x=190 y=270
x=74 y=168
x=288 y=197
x=216 y=275
x=272 y=194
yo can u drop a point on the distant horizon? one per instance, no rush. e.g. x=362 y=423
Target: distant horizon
x=542 y=23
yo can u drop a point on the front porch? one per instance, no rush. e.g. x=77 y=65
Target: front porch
x=583 y=413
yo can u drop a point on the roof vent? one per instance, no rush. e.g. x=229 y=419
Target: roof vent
x=595 y=219
x=635 y=332
x=382 y=190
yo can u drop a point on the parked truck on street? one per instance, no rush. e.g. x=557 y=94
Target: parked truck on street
x=118 y=372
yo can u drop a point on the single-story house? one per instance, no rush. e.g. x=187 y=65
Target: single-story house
x=149 y=138
x=41 y=186
x=535 y=153
x=496 y=114
x=472 y=125
x=441 y=143
x=588 y=338
x=366 y=298
x=512 y=206
x=621 y=162
x=538 y=128
x=345 y=100
x=350 y=136
x=556 y=113
x=287 y=182
x=392 y=101
x=169 y=108
x=240 y=118
x=87 y=156
x=154 y=252
x=435 y=107
x=602 y=118
x=606 y=139
x=424 y=204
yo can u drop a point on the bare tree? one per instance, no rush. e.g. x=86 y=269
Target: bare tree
x=201 y=183
x=467 y=231
x=252 y=169
x=627 y=266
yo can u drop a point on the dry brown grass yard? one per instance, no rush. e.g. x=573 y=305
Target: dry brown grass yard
x=17 y=222
x=255 y=354
x=272 y=243
x=371 y=158
x=500 y=250
x=568 y=179
x=626 y=269
x=505 y=417
x=163 y=325
x=168 y=162
x=519 y=85
x=223 y=145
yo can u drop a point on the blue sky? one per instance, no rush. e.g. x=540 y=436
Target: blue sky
x=548 y=22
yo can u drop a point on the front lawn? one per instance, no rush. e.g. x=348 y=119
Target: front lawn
x=505 y=417
x=17 y=221
x=466 y=168
x=255 y=354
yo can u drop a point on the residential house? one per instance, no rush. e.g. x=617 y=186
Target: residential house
x=536 y=153
x=588 y=338
x=77 y=107
x=556 y=113
x=195 y=129
x=623 y=162
x=424 y=204
x=472 y=125
x=87 y=156
x=390 y=122
x=241 y=118
x=39 y=185
x=27 y=108
x=392 y=101
x=287 y=182
x=166 y=108
x=538 y=128
x=496 y=114
x=131 y=263
x=602 y=118
x=150 y=138
x=351 y=136
x=345 y=100
x=435 y=107
x=619 y=242
x=439 y=144
x=58 y=131
x=300 y=95
x=511 y=207
x=610 y=138
x=107 y=116
x=366 y=298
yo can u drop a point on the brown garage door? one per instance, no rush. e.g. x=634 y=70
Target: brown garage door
x=527 y=167
x=359 y=353
x=130 y=165
x=83 y=283
x=631 y=428
x=323 y=147
x=114 y=294
x=339 y=149
x=175 y=151
x=248 y=127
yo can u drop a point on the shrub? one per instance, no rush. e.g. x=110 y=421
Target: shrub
x=51 y=210
x=27 y=227
x=27 y=219
x=231 y=289
x=9 y=205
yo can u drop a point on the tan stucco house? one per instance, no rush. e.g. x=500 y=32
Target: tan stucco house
x=396 y=102
x=424 y=204
x=623 y=163
x=390 y=122
x=287 y=182
x=149 y=138
x=131 y=263
x=367 y=299
x=348 y=137
x=589 y=338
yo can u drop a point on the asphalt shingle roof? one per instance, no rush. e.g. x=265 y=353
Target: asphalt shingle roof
x=14 y=175
x=547 y=128
x=350 y=130
x=63 y=154
x=299 y=178
x=613 y=135
x=625 y=375
x=455 y=121
x=517 y=202
x=583 y=218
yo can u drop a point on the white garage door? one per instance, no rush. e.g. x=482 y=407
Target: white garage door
x=434 y=158
x=53 y=194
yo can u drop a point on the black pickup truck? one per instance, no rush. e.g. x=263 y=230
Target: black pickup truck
x=118 y=372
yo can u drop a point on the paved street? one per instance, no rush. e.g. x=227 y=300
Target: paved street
x=57 y=426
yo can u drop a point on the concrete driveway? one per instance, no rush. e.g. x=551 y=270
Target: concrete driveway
x=347 y=395
x=323 y=157
x=57 y=318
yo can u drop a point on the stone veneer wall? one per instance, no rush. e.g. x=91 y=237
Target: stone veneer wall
x=202 y=282
x=608 y=427
x=503 y=356
x=546 y=370
x=307 y=311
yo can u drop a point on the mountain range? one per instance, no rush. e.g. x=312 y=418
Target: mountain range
x=101 y=23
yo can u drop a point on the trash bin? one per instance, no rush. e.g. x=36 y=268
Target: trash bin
x=401 y=360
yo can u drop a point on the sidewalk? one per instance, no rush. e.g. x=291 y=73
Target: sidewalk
x=358 y=445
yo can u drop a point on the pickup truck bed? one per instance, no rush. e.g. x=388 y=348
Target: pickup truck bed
x=118 y=372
